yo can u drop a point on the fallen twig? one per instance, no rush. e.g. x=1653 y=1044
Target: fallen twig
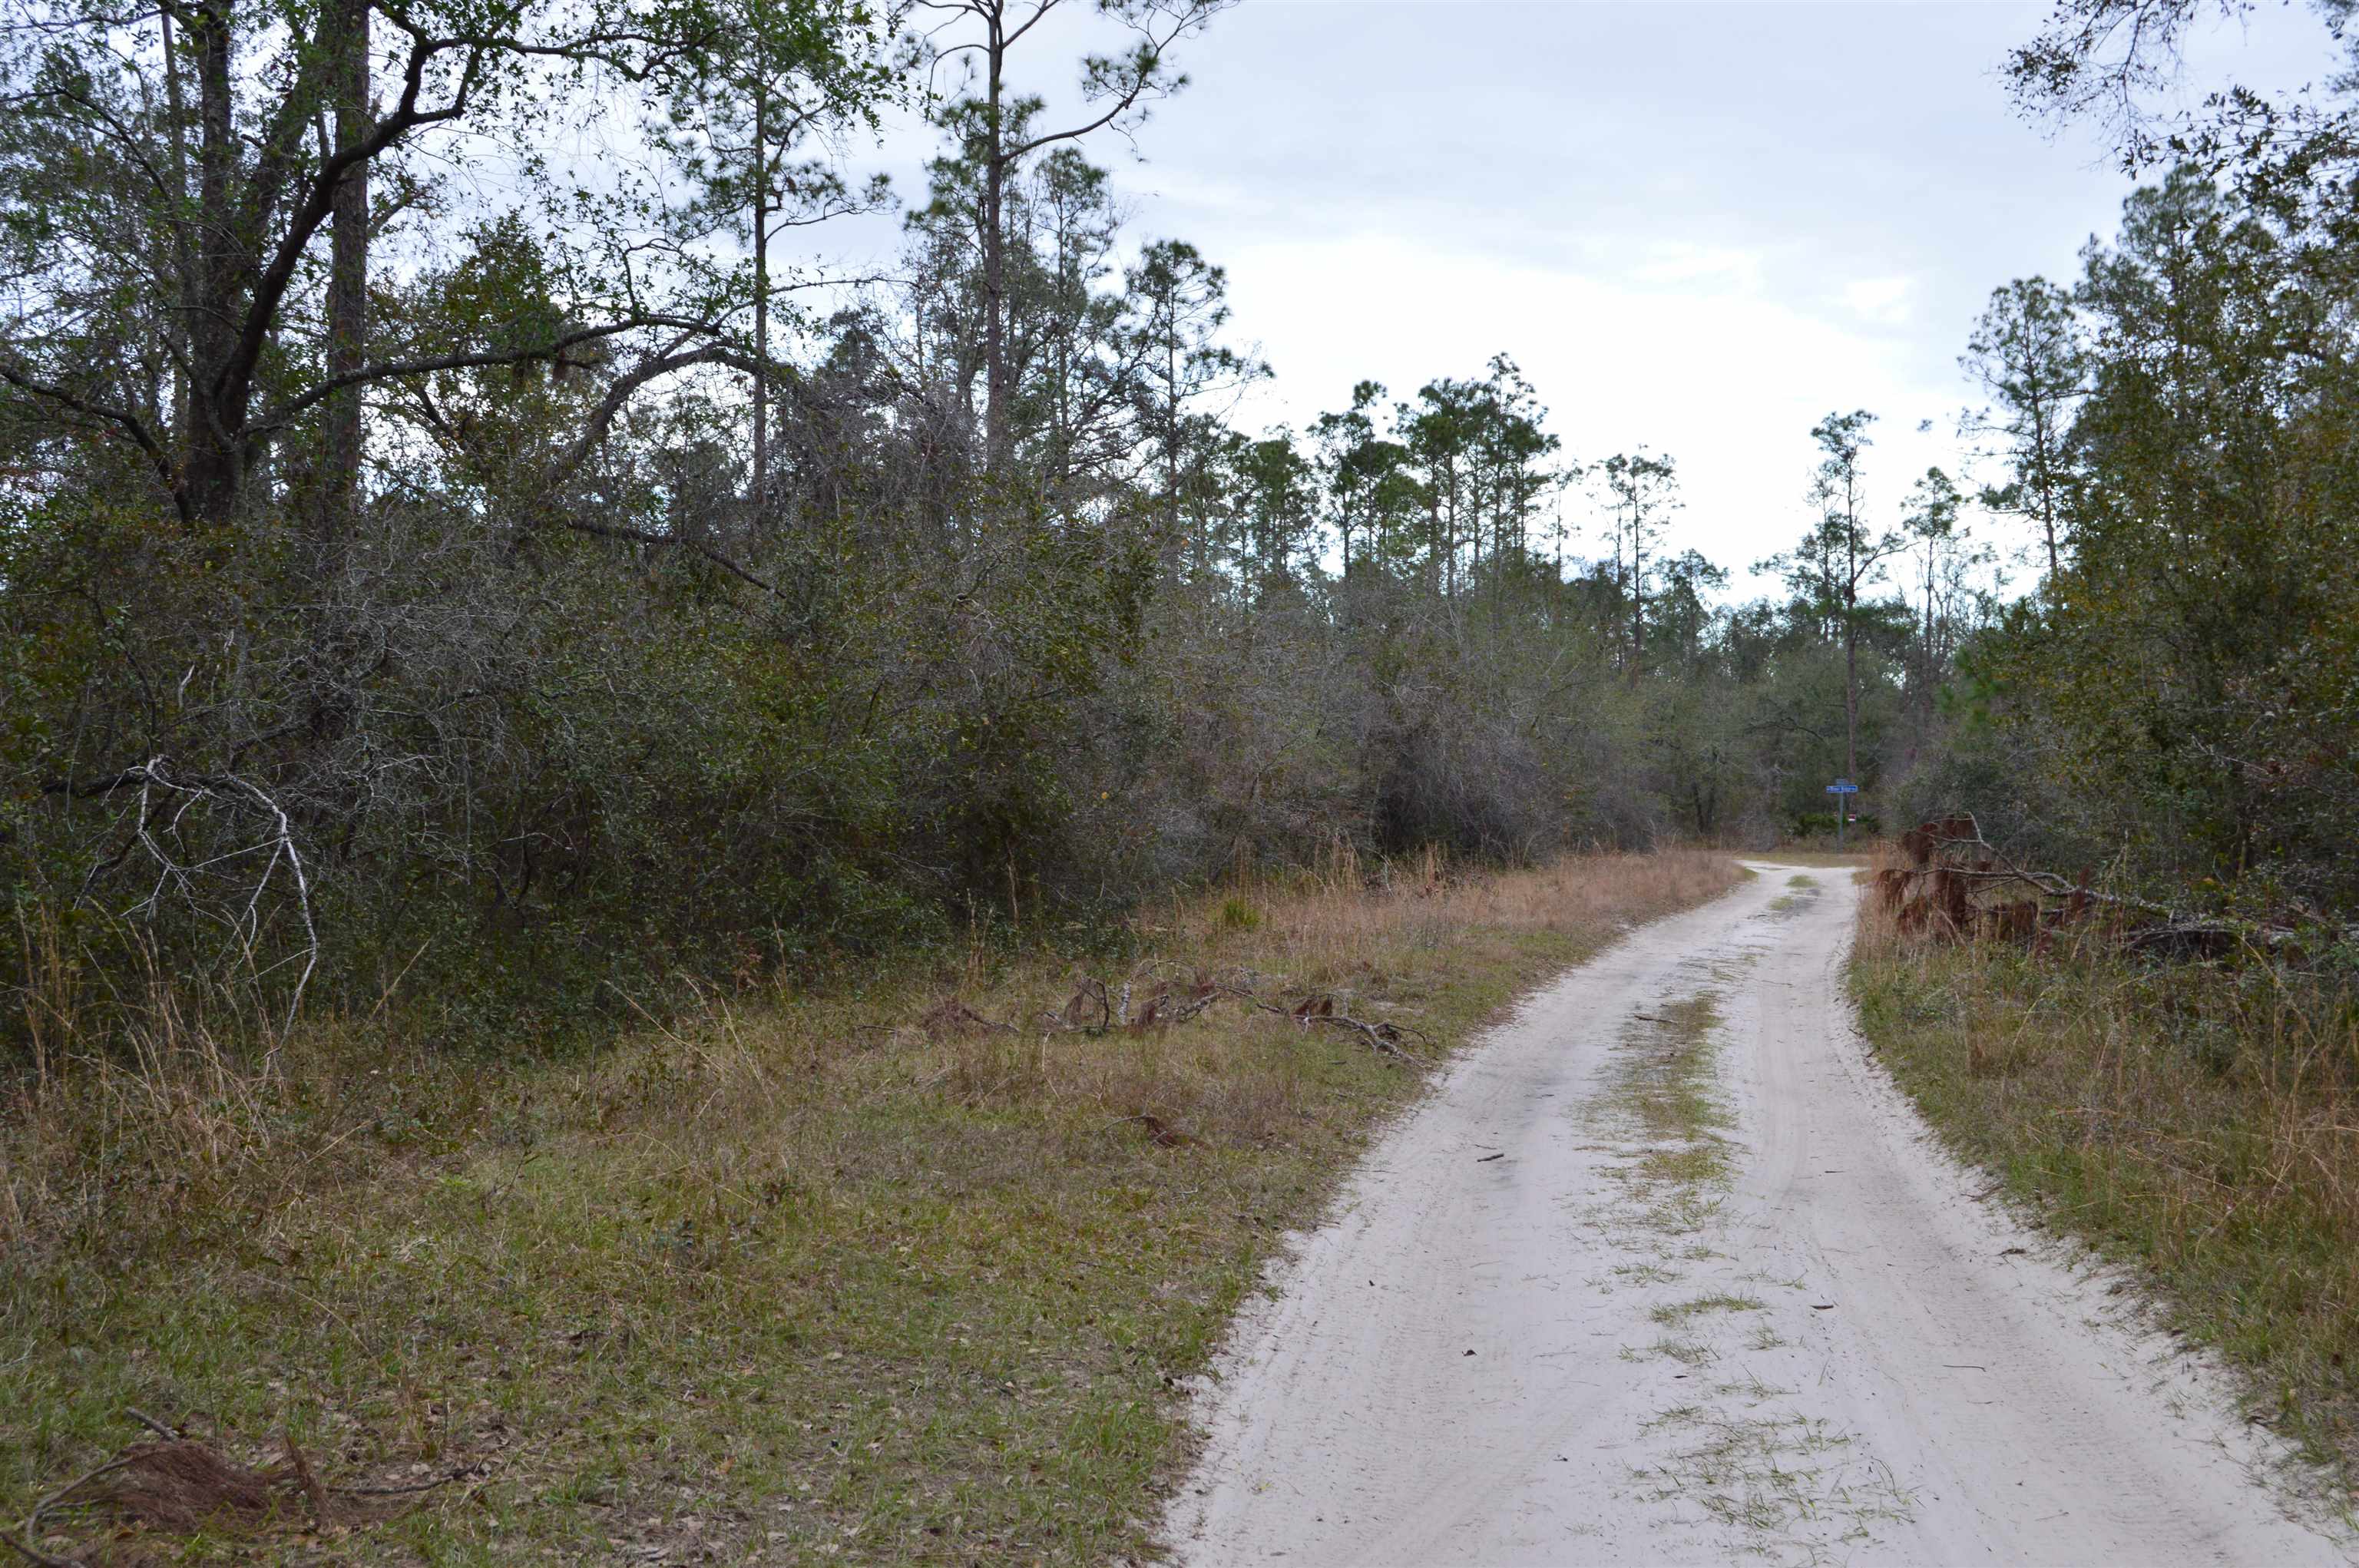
x=1383 y=1039
x=152 y=1424
x=34 y=1555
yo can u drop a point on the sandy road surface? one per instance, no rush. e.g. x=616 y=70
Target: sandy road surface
x=1545 y=1328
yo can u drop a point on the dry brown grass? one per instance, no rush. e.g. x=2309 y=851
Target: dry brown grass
x=1859 y=858
x=2199 y=1122
x=1384 y=944
x=1587 y=896
x=886 y=1271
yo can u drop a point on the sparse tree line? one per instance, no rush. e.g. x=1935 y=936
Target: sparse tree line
x=448 y=548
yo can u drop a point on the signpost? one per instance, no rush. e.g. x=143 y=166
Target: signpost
x=1841 y=790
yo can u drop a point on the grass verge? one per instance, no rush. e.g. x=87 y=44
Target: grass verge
x=2199 y=1123
x=890 y=1272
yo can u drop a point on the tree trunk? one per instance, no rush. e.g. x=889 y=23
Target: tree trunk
x=1171 y=424
x=1850 y=637
x=760 y=495
x=994 y=247
x=214 y=436
x=347 y=28
x=2048 y=521
x=1638 y=601
x=184 y=265
x=2043 y=456
x=1850 y=689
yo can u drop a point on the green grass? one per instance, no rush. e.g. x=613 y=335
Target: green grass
x=840 y=1277
x=1664 y=1078
x=1673 y=1313
x=2198 y=1124
x=1660 y=1106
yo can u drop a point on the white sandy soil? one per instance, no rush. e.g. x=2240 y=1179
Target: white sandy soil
x=1515 y=1344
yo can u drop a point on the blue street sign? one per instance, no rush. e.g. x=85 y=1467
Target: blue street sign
x=1842 y=787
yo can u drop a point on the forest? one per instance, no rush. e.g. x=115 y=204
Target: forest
x=496 y=595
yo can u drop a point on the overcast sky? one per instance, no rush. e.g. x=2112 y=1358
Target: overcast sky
x=1696 y=226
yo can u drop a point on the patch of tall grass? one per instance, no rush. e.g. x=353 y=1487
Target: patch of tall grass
x=2198 y=1122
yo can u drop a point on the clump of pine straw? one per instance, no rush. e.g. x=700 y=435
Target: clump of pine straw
x=2197 y=1121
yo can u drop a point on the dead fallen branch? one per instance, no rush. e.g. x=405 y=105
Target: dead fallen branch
x=1385 y=1039
x=1951 y=855
x=1096 y=1007
x=1090 y=998
x=952 y=1017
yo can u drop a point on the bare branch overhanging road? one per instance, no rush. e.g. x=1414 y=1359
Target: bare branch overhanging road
x=1570 y=1312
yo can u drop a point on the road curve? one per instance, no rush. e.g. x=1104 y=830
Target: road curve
x=1546 y=1327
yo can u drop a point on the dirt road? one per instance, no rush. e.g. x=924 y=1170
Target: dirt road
x=1665 y=1271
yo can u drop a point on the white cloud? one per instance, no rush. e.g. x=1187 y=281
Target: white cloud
x=1886 y=301
x=1725 y=380
x=1704 y=266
